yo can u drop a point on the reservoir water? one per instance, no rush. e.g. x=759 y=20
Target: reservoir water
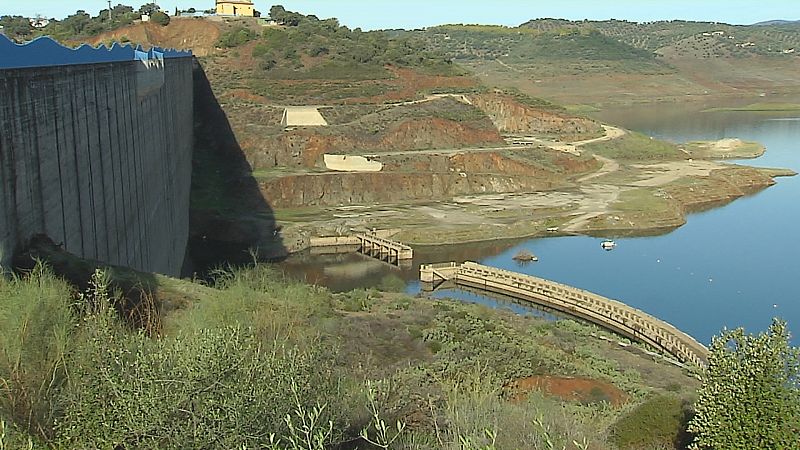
x=736 y=265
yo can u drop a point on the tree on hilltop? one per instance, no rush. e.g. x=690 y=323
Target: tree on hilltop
x=16 y=28
x=750 y=396
x=160 y=18
x=149 y=8
x=77 y=22
x=279 y=14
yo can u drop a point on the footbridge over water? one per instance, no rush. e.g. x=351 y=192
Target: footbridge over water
x=383 y=249
x=607 y=313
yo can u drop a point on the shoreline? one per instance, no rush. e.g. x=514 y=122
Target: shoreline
x=682 y=210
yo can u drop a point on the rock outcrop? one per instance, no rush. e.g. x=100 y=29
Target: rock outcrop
x=329 y=189
x=305 y=147
x=511 y=116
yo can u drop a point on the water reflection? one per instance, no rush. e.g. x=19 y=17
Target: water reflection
x=347 y=271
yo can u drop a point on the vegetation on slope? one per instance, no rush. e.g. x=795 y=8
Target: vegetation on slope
x=258 y=361
x=750 y=396
x=307 y=60
x=526 y=43
x=564 y=50
x=681 y=34
x=307 y=47
x=82 y=25
x=228 y=369
x=636 y=146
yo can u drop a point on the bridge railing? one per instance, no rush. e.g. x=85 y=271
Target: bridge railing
x=661 y=333
x=435 y=266
x=386 y=242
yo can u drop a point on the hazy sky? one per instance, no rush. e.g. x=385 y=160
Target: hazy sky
x=371 y=14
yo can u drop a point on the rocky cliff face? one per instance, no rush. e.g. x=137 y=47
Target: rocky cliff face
x=511 y=116
x=505 y=163
x=304 y=147
x=329 y=189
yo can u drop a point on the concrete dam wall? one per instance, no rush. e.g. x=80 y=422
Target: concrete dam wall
x=98 y=155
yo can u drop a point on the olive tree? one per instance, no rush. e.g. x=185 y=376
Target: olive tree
x=750 y=397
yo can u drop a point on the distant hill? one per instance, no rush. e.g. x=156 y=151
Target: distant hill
x=777 y=22
x=563 y=50
x=680 y=38
x=613 y=40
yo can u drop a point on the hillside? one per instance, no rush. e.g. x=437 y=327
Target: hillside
x=610 y=62
x=224 y=365
x=200 y=36
x=488 y=42
x=380 y=94
x=680 y=36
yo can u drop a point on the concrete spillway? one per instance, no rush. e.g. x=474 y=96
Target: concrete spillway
x=98 y=157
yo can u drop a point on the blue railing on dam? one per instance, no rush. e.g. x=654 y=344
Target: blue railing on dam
x=45 y=52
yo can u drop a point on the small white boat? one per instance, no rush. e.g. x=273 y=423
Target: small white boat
x=608 y=245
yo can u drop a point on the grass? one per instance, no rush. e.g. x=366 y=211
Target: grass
x=581 y=109
x=333 y=70
x=659 y=421
x=643 y=200
x=534 y=102
x=311 y=90
x=759 y=107
x=636 y=147
x=282 y=171
x=256 y=347
x=742 y=150
x=36 y=324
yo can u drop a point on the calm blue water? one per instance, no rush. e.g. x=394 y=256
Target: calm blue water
x=727 y=267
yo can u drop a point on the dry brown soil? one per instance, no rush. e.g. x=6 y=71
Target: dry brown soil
x=582 y=390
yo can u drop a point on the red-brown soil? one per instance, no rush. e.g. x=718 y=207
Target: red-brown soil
x=583 y=390
x=198 y=35
x=304 y=147
x=408 y=83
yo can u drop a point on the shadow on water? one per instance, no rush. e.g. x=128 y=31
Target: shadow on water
x=348 y=271
x=231 y=222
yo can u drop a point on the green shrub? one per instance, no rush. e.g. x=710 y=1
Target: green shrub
x=356 y=300
x=236 y=36
x=215 y=388
x=661 y=420
x=750 y=396
x=260 y=50
x=392 y=283
x=159 y=18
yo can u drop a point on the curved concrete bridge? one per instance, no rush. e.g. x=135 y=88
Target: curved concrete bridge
x=607 y=313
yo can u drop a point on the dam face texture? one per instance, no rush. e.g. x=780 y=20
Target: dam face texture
x=96 y=152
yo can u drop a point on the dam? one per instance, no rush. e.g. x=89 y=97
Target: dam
x=96 y=151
